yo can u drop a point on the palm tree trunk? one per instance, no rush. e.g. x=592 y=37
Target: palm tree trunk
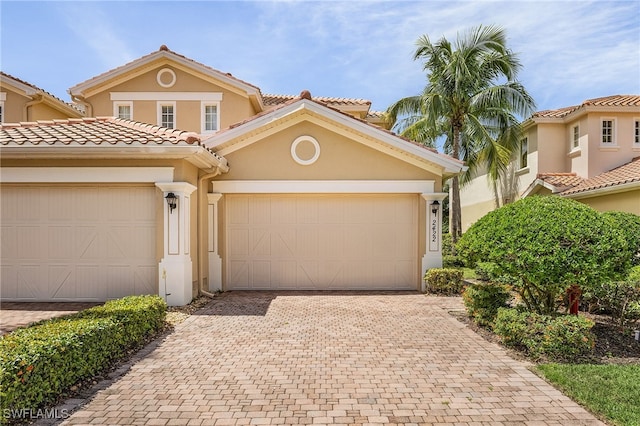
x=455 y=221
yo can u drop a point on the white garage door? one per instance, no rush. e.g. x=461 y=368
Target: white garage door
x=305 y=242
x=77 y=244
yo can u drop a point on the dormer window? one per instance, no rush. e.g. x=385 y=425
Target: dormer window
x=576 y=137
x=608 y=131
x=524 y=153
x=123 y=110
x=167 y=114
x=210 y=117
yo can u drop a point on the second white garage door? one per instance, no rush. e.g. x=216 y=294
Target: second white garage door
x=322 y=242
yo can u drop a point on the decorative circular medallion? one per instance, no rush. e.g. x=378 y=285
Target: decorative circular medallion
x=305 y=150
x=166 y=77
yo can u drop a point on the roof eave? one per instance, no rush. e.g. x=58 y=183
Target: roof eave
x=607 y=190
x=196 y=155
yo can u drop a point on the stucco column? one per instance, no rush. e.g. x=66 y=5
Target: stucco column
x=432 y=257
x=215 y=261
x=175 y=268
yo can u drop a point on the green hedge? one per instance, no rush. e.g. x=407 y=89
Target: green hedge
x=483 y=301
x=40 y=362
x=444 y=281
x=561 y=337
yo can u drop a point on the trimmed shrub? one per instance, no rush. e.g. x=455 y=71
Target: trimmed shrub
x=483 y=301
x=559 y=338
x=40 y=362
x=487 y=271
x=629 y=225
x=451 y=261
x=619 y=299
x=444 y=281
x=547 y=244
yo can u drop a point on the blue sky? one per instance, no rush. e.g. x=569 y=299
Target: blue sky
x=570 y=50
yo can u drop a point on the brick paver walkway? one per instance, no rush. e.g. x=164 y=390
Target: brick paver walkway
x=20 y=314
x=344 y=358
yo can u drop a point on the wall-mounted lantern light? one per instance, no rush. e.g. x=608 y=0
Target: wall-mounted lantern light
x=171 y=201
x=435 y=206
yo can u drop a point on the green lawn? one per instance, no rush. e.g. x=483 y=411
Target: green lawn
x=612 y=391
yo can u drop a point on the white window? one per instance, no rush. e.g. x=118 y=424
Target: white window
x=167 y=114
x=210 y=117
x=608 y=136
x=636 y=130
x=524 y=153
x=123 y=110
x=576 y=137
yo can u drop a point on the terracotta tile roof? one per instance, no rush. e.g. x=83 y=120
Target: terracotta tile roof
x=273 y=100
x=376 y=114
x=164 y=48
x=607 y=101
x=42 y=91
x=562 y=181
x=627 y=173
x=93 y=131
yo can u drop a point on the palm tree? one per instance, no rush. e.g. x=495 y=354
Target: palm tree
x=472 y=99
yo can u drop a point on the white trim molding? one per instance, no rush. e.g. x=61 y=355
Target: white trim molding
x=166 y=71
x=85 y=174
x=167 y=96
x=323 y=186
x=298 y=141
x=215 y=261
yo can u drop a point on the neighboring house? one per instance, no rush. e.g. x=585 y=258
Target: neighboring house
x=284 y=192
x=589 y=152
x=21 y=102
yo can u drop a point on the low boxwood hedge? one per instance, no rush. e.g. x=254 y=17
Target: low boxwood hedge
x=40 y=362
x=446 y=281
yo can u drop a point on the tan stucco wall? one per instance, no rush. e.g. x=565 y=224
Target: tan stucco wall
x=550 y=150
x=13 y=111
x=234 y=107
x=471 y=213
x=602 y=159
x=16 y=109
x=623 y=201
x=340 y=158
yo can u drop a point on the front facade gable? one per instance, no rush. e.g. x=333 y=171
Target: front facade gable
x=302 y=115
x=170 y=90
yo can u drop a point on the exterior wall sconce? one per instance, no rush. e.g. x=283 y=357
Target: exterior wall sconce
x=171 y=201
x=435 y=206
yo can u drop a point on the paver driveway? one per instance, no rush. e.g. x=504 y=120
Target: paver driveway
x=329 y=358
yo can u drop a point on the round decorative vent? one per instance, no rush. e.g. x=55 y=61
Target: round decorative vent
x=166 y=77
x=305 y=150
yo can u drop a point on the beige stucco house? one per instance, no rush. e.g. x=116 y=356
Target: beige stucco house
x=22 y=101
x=589 y=152
x=256 y=192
